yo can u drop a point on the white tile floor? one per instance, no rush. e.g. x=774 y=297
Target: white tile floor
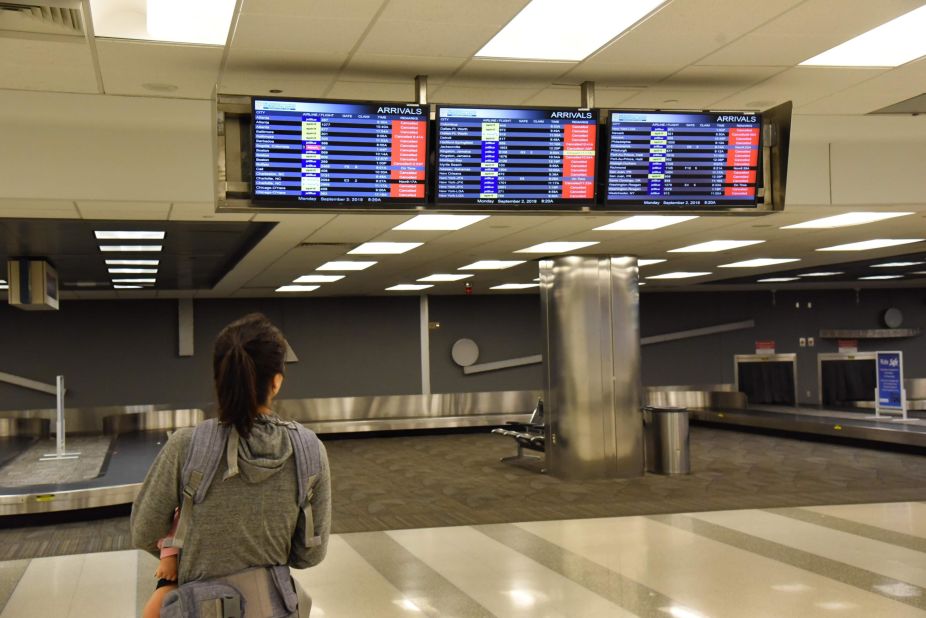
x=857 y=560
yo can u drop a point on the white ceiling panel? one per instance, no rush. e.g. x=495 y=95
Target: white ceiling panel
x=798 y=84
x=886 y=89
x=806 y=30
x=687 y=98
x=198 y=211
x=721 y=77
x=513 y=70
x=493 y=12
x=372 y=91
x=297 y=34
x=291 y=85
x=566 y=96
x=318 y=9
x=14 y=208
x=377 y=67
x=147 y=211
x=187 y=71
x=680 y=34
x=27 y=64
x=483 y=95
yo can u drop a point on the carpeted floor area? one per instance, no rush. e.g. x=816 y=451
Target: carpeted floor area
x=387 y=483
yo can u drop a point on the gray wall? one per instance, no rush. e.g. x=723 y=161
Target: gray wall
x=125 y=352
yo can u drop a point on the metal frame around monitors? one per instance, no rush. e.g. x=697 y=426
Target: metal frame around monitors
x=764 y=192
x=766 y=358
x=387 y=205
x=578 y=206
x=836 y=356
x=231 y=117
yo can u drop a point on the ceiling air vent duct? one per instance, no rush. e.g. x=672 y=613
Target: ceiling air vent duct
x=51 y=18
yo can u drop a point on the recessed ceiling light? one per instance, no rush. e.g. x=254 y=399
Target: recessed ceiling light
x=130 y=248
x=129 y=235
x=408 y=287
x=546 y=30
x=716 y=245
x=645 y=262
x=439 y=278
x=759 y=262
x=318 y=278
x=896 y=264
x=439 y=222
x=514 y=286
x=128 y=287
x=491 y=265
x=777 y=279
x=557 y=247
x=645 y=222
x=133 y=271
x=296 y=288
x=877 y=243
x=822 y=274
x=180 y=21
x=132 y=262
x=345 y=265
x=143 y=280
x=384 y=248
x=678 y=275
x=891 y=44
x=845 y=220
x=875 y=277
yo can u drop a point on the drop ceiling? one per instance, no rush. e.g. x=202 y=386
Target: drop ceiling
x=720 y=54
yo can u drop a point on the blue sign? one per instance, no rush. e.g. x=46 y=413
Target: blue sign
x=890 y=380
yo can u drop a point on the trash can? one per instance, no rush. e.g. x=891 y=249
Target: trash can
x=665 y=437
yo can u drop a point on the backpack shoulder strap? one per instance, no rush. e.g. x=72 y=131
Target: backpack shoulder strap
x=202 y=461
x=307 y=453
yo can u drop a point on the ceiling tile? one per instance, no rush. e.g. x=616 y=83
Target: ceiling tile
x=372 y=91
x=27 y=64
x=37 y=209
x=127 y=65
x=151 y=211
x=798 y=84
x=885 y=89
x=318 y=9
x=385 y=67
x=297 y=34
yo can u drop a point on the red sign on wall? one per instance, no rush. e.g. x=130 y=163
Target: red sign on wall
x=765 y=347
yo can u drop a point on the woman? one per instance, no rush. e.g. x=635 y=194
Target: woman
x=248 y=516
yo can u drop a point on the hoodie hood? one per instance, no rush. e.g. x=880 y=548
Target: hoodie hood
x=265 y=451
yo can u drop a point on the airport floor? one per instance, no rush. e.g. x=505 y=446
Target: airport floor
x=853 y=560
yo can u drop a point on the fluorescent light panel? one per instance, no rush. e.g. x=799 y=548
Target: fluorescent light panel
x=557 y=247
x=129 y=235
x=645 y=222
x=345 y=265
x=889 y=45
x=759 y=262
x=132 y=262
x=876 y=277
x=822 y=274
x=896 y=264
x=552 y=30
x=408 y=287
x=141 y=280
x=845 y=220
x=133 y=271
x=384 y=248
x=439 y=222
x=678 y=275
x=713 y=246
x=868 y=245
x=514 y=286
x=297 y=288
x=318 y=278
x=778 y=279
x=645 y=262
x=441 y=278
x=130 y=248
x=491 y=265
x=128 y=287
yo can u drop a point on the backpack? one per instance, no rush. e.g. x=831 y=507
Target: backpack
x=270 y=592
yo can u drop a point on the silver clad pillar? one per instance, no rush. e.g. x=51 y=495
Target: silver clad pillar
x=590 y=312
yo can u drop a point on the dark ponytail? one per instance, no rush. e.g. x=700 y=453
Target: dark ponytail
x=248 y=353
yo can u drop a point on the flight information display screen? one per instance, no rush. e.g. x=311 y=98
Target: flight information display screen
x=694 y=160
x=512 y=157
x=339 y=153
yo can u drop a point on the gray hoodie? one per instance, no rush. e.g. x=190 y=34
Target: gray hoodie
x=244 y=521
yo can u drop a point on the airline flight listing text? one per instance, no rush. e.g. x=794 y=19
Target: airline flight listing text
x=681 y=159
x=339 y=152
x=516 y=156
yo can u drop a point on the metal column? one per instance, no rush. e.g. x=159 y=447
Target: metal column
x=590 y=316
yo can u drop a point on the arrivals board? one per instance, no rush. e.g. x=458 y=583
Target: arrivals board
x=515 y=157
x=339 y=153
x=684 y=160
